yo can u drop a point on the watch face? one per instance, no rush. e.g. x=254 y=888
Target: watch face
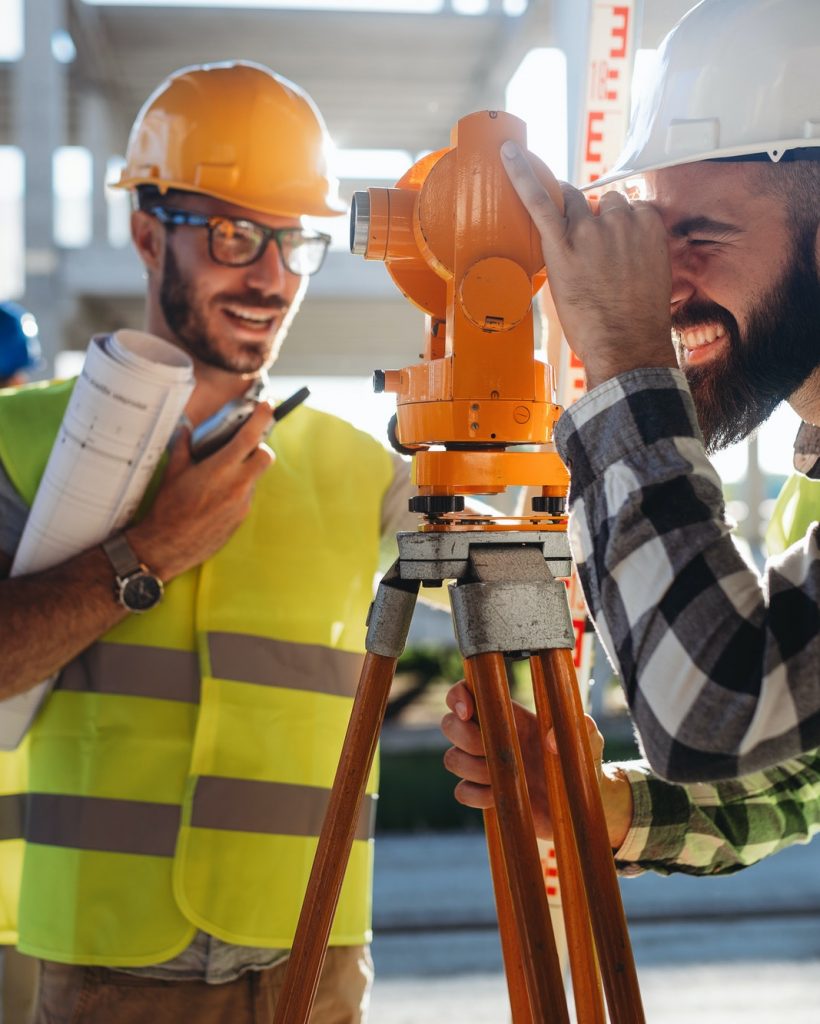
x=141 y=592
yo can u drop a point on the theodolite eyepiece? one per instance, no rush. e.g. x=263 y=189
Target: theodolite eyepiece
x=359 y=222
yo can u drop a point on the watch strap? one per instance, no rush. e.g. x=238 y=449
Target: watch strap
x=121 y=555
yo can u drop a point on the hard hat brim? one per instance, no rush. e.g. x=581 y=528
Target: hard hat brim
x=327 y=208
x=635 y=169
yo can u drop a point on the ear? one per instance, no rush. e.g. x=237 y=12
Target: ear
x=148 y=236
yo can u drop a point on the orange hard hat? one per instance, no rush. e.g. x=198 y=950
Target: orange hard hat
x=238 y=132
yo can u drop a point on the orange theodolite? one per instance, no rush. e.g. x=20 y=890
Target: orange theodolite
x=459 y=244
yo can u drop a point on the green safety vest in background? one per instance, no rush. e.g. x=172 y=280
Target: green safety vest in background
x=796 y=508
x=179 y=773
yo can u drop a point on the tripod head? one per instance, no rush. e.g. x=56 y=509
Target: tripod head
x=459 y=244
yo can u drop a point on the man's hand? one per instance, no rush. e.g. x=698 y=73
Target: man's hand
x=608 y=271
x=466 y=759
x=199 y=505
x=48 y=618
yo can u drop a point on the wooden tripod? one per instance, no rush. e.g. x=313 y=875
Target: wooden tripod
x=508 y=600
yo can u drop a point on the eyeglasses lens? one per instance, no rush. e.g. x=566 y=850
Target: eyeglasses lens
x=241 y=242
x=302 y=253
x=236 y=242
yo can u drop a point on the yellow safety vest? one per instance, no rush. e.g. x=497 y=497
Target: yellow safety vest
x=14 y=764
x=13 y=786
x=179 y=773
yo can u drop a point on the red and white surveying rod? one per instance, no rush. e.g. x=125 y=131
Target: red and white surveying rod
x=605 y=115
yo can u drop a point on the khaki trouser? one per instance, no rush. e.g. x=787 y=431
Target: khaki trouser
x=18 y=986
x=97 y=995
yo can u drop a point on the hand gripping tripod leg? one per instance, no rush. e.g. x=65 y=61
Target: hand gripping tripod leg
x=507 y=601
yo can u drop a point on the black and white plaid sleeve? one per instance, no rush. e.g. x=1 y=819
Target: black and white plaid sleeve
x=721 y=668
x=718 y=828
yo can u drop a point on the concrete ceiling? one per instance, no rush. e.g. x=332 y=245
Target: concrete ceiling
x=381 y=80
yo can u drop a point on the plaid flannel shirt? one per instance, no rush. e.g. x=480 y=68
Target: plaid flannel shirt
x=720 y=667
x=707 y=828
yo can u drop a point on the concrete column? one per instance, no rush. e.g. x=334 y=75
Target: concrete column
x=39 y=106
x=753 y=493
x=95 y=135
x=570 y=32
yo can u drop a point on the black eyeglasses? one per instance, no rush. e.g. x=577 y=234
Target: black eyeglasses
x=235 y=242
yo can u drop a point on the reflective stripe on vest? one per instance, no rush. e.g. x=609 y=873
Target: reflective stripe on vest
x=298 y=666
x=215 y=721
x=13 y=785
x=135 y=670
x=12 y=815
x=272 y=807
x=130 y=826
x=132 y=670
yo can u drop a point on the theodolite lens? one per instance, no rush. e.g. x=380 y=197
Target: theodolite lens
x=359 y=223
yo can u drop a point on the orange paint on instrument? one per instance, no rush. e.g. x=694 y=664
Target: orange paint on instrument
x=460 y=245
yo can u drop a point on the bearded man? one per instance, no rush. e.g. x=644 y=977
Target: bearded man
x=692 y=298
x=721 y=672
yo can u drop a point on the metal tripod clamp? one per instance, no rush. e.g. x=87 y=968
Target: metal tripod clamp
x=517 y=618
x=390 y=614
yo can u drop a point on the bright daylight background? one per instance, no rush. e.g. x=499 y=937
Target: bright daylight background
x=541 y=73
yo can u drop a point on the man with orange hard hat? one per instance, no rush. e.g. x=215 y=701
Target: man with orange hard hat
x=207 y=654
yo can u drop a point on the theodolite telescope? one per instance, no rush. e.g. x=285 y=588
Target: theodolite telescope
x=460 y=246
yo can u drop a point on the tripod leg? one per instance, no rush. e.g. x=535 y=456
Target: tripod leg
x=391 y=612
x=606 y=910
x=507 y=932
x=586 y=981
x=487 y=676
x=510 y=944
x=310 y=942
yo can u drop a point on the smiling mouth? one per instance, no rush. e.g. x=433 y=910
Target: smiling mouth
x=699 y=341
x=254 y=319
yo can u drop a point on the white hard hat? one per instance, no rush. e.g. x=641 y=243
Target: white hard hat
x=732 y=78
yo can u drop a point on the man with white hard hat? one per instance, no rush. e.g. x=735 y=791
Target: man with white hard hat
x=691 y=294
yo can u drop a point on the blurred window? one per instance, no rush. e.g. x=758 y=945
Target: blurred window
x=537 y=93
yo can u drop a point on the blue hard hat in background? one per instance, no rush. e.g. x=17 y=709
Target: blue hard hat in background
x=19 y=341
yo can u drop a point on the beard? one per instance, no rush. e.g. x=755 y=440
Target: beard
x=185 y=316
x=766 y=363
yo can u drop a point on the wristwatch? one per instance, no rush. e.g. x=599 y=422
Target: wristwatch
x=135 y=586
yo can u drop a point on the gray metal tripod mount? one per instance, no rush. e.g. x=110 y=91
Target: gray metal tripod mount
x=507 y=596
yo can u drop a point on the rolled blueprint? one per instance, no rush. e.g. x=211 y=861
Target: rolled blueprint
x=122 y=412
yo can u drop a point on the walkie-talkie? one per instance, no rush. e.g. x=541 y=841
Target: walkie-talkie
x=218 y=429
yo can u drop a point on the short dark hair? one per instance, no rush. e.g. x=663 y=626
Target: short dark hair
x=149 y=196
x=797 y=184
